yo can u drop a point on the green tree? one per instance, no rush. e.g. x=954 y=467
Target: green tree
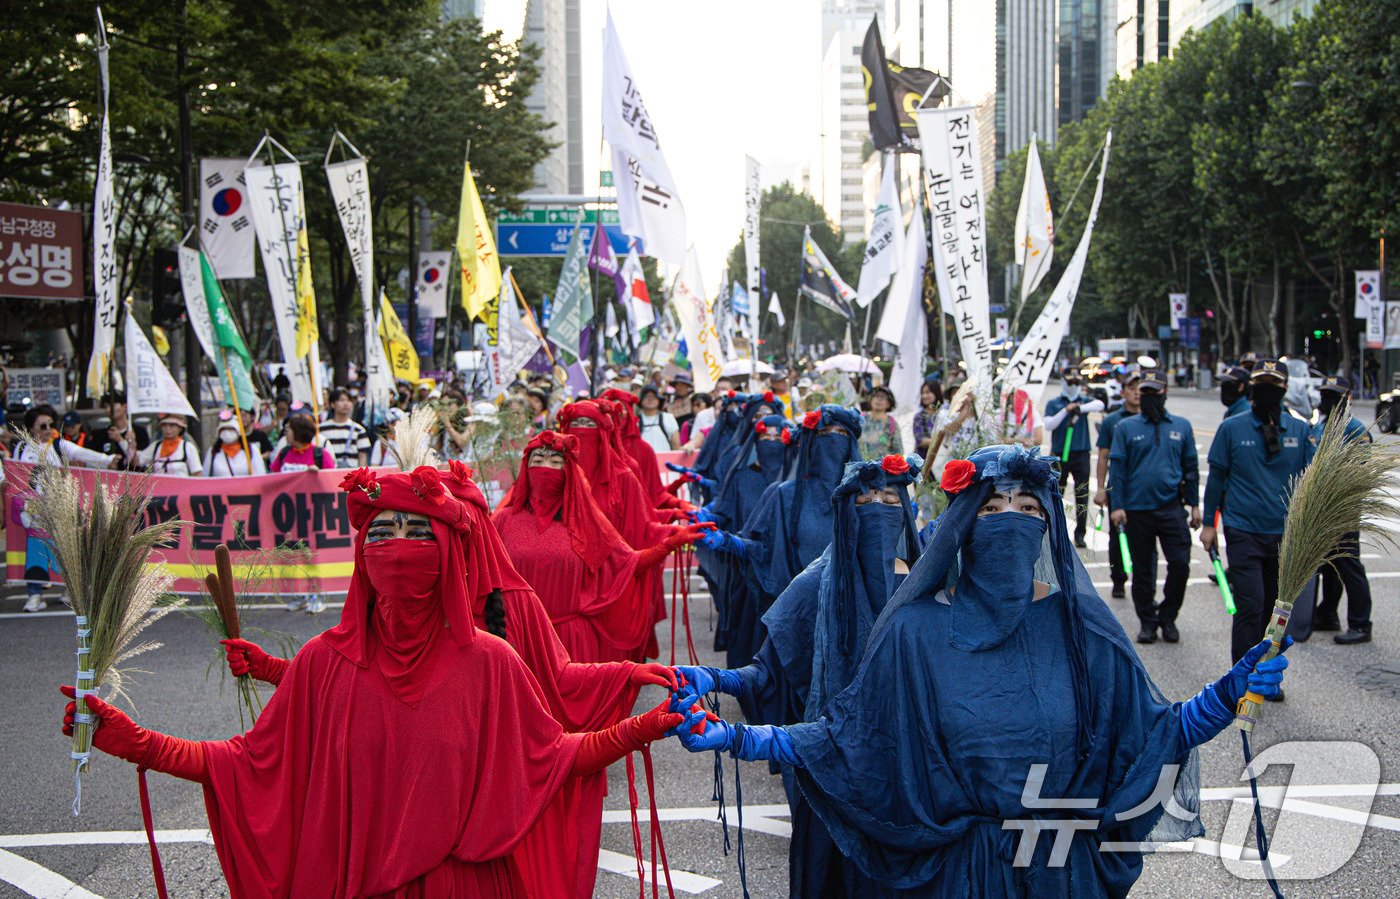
x=784 y=211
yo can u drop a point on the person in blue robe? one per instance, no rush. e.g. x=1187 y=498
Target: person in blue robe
x=998 y=699
x=787 y=530
x=816 y=632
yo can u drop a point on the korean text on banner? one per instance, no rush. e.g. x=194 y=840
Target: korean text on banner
x=1031 y=364
x=233 y=360
x=149 y=386
x=884 y=247
x=225 y=230
x=301 y=515
x=573 y=298
x=403 y=357
x=41 y=253
x=196 y=305
x=952 y=156
x=753 y=194
x=647 y=200
x=273 y=194
x=104 y=244
x=349 y=183
x=476 y=250
x=1035 y=227
x=698 y=325
x=1375 y=326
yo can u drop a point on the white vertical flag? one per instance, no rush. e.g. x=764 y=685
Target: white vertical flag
x=1035 y=227
x=225 y=228
x=272 y=193
x=639 y=308
x=104 y=238
x=349 y=183
x=953 y=158
x=149 y=386
x=1031 y=364
x=908 y=286
x=647 y=201
x=752 y=195
x=433 y=269
x=884 y=248
x=776 y=308
x=196 y=306
x=697 y=324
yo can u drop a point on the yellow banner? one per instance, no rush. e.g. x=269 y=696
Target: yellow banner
x=308 y=331
x=476 y=251
x=403 y=358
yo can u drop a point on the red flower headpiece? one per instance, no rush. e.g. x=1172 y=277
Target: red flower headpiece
x=427 y=483
x=897 y=465
x=460 y=472
x=787 y=437
x=768 y=396
x=731 y=394
x=957 y=476
x=812 y=419
x=363 y=479
x=760 y=428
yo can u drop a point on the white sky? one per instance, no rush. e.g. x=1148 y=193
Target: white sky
x=721 y=79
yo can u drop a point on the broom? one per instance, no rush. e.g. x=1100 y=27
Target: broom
x=101 y=544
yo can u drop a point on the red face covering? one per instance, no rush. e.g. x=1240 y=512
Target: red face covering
x=546 y=493
x=408 y=617
x=590 y=449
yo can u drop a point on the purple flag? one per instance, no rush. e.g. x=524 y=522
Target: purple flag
x=603 y=260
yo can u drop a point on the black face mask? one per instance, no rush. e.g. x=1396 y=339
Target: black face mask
x=1328 y=402
x=1266 y=400
x=1230 y=392
x=1153 y=406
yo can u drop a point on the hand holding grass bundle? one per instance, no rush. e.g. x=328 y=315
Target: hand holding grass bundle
x=102 y=545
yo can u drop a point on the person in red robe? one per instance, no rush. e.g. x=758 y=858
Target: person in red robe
x=630 y=438
x=405 y=753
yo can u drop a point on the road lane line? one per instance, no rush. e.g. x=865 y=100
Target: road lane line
x=34 y=879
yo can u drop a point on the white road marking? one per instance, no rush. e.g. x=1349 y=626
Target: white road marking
x=33 y=879
x=626 y=865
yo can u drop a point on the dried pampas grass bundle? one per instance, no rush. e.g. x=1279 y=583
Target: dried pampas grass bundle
x=413 y=439
x=102 y=545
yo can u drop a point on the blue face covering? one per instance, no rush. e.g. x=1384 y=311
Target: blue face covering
x=770 y=456
x=830 y=454
x=876 y=542
x=997 y=579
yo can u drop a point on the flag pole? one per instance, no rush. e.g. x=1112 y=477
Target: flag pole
x=237 y=409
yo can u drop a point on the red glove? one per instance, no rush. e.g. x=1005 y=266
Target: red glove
x=666 y=516
x=601 y=748
x=674 y=487
x=687 y=534
x=116 y=734
x=245 y=657
x=653 y=674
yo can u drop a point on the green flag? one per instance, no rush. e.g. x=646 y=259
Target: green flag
x=235 y=368
x=573 y=299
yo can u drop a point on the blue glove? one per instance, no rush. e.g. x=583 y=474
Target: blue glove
x=749 y=743
x=702 y=514
x=721 y=541
x=701 y=680
x=680 y=469
x=707 y=483
x=716 y=735
x=1209 y=712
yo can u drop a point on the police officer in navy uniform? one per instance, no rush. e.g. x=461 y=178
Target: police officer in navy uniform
x=1067 y=418
x=1234 y=390
x=1154 y=473
x=1348 y=570
x=1104 y=444
x=1252 y=459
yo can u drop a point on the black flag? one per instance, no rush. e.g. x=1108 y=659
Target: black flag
x=909 y=86
x=821 y=284
x=879 y=97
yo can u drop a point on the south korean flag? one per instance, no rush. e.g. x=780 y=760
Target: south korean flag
x=225 y=227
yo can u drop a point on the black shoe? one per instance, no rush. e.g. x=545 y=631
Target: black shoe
x=1211 y=576
x=1119 y=592
x=1148 y=634
x=1170 y=633
x=1079 y=541
x=1326 y=624
x=1278 y=697
x=1353 y=635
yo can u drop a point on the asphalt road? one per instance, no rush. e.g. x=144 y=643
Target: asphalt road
x=1342 y=695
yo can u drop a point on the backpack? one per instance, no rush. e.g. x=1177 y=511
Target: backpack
x=318 y=457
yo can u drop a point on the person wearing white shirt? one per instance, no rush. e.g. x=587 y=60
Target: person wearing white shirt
x=658 y=427
x=229 y=459
x=174 y=454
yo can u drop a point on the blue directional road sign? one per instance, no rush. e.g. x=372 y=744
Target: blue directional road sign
x=546 y=232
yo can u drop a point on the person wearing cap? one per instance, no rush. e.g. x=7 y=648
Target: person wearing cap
x=658 y=427
x=124 y=437
x=230 y=459
x=1104 y=443
x=1154 y=472
x=879 y=433
x=1252 y=460
x=73 y=430
x=174 y=454
x=385 y=451
x=1347 y=570
x=782 y=389
x=1066 y=417
x=1234 y=390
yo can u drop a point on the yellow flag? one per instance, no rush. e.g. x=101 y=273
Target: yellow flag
x=476 y=251
x=308 y=331
x=403 y=358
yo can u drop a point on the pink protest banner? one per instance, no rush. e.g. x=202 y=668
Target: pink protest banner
x=288 y=533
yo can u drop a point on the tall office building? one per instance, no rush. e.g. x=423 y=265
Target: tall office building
x=553 y=27
x=460 y=9
x=1197 y=14
x=1087 y=55
x=844 y=134
x=1144 y=34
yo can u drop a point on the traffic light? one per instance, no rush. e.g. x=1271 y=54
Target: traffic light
x=167 y=300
